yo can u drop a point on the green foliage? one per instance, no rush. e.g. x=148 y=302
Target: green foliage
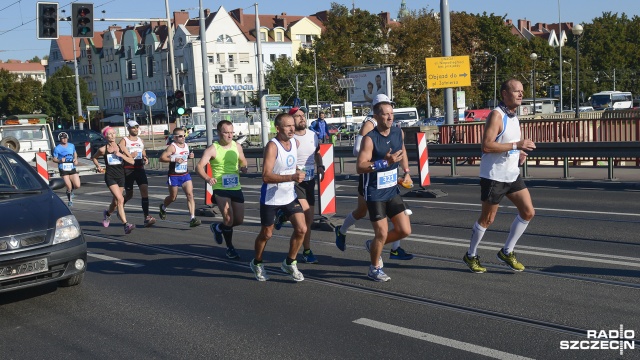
x=59 y=94
x=19 y=96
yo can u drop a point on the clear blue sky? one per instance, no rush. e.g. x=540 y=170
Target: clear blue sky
x=18 y=28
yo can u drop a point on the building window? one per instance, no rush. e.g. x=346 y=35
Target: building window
x=244 y=58
x=210 y=59
x=306 y=39
x=237 y=78
x=232 y=60
x=263 y=36
x=218 y=79
x=272 y=57
x=248 y=79
x=279 y=37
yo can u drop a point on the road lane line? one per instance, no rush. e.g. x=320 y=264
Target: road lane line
x=116 y=260
x=476 y=349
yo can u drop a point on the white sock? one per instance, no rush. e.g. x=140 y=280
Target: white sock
x=476 y=236
x=518 y=226
x=348 y=222
x=164 y=207
x=395 y=245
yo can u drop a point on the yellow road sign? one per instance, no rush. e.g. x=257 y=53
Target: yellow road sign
x=80 y=119
x=448 y=72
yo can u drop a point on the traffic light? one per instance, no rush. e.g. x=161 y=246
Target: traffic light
x=82 y=20
x=179 y=104
x=47 y=27
x=171 y=105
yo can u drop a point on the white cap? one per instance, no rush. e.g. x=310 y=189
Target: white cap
x=381 y=98
x=132 y=123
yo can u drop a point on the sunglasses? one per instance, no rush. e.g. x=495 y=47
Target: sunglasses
x=178 y=136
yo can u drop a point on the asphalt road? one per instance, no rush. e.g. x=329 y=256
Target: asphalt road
x=168 y=292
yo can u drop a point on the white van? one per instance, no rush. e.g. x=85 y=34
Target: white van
x=403 y=117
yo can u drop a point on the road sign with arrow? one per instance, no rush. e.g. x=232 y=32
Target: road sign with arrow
x=448 y=72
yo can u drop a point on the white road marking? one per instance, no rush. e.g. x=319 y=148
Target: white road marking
x=116 y=260
x=476 y=349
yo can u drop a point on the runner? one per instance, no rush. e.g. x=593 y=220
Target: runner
x=396 y=253
x=135 y=173
x=177 y=155
x=279 y=176
x=64 y=154
x=381 y=151
x=308 y=156
x=114 y=159
x=225 y=156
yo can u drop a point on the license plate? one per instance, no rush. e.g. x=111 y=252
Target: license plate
x=24 y=269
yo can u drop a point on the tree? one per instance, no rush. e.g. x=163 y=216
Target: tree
x=7 y=80
x=59 y=94
x=35 y=59
x=24 y=97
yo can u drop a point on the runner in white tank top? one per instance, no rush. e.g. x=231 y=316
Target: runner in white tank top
x=279 y=176
x=502 y=150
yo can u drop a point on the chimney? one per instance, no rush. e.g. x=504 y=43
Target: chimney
x=237 y=14
x=180 y=18
x=524 y=25
x=281 y=21
x=206 y=13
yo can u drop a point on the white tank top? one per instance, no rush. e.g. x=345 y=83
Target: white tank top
x=134 y=146
x=306 y=152
x=503 y=166
x=281 y=193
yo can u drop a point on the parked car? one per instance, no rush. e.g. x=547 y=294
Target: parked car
x=40 y=239
x=199 y=138
x=79 y=137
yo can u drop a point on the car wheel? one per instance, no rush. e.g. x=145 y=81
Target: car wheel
x=72 y=281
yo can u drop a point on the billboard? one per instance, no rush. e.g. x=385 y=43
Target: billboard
x=369 y=83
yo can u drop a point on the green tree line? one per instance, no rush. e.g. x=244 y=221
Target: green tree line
x=609 y=45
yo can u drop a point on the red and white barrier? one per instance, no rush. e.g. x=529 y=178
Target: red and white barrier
x=87 y=149
x=41 y=165
x=423 y=159
x=327 y=186
x=208 y=192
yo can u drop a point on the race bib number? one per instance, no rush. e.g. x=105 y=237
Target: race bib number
x=67 y=166
x=137 y=150
x=230 y=180
x=513 y=153
x=113 y=159
x=387 y=179
x=180 y=168
x=308 y=174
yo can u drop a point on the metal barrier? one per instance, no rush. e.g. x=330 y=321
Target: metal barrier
x=561 y=150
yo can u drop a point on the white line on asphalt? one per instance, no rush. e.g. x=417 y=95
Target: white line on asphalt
x=476 y=349
x=116 y=260
x=464 y=243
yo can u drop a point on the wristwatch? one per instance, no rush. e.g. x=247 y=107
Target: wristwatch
x=515 y=146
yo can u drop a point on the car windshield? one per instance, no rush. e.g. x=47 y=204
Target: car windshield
x=15 y=176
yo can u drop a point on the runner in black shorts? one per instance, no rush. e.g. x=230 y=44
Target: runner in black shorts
x=114 y=159
x=135 y=173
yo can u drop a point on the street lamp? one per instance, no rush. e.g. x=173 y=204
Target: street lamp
x=533 y=58
x=495 y=75
x=570 y=82
x=315 y=72
x=577 y=32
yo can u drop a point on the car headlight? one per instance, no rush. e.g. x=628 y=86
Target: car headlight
x=67 y=228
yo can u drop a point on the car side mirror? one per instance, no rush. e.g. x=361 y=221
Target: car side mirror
x=56 y=183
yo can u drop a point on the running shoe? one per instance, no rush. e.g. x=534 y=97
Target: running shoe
x=308 y=257
x=232 y=253
x=367 y=244
x=217 y=235
x=510 y=260
x=292 y=270
x=400 y=254
x=70 y=203
x=149 y=220
x=163 y=213
x=474 y=264
x=259 y=271
x=376 y=274
x=194 y=222
x=341 y=239
x=106 y=218
x=280 y=220
x=128 y=228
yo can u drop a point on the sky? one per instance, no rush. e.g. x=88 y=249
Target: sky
x=18 y=26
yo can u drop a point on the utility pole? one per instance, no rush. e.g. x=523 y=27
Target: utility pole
x=172 y=61
x=445 y=22
x=205 y=77
x=263 y=102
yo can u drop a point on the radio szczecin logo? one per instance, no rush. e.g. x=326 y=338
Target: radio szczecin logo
x=619 y=339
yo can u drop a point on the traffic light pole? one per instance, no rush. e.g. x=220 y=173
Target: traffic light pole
x=78 y=100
